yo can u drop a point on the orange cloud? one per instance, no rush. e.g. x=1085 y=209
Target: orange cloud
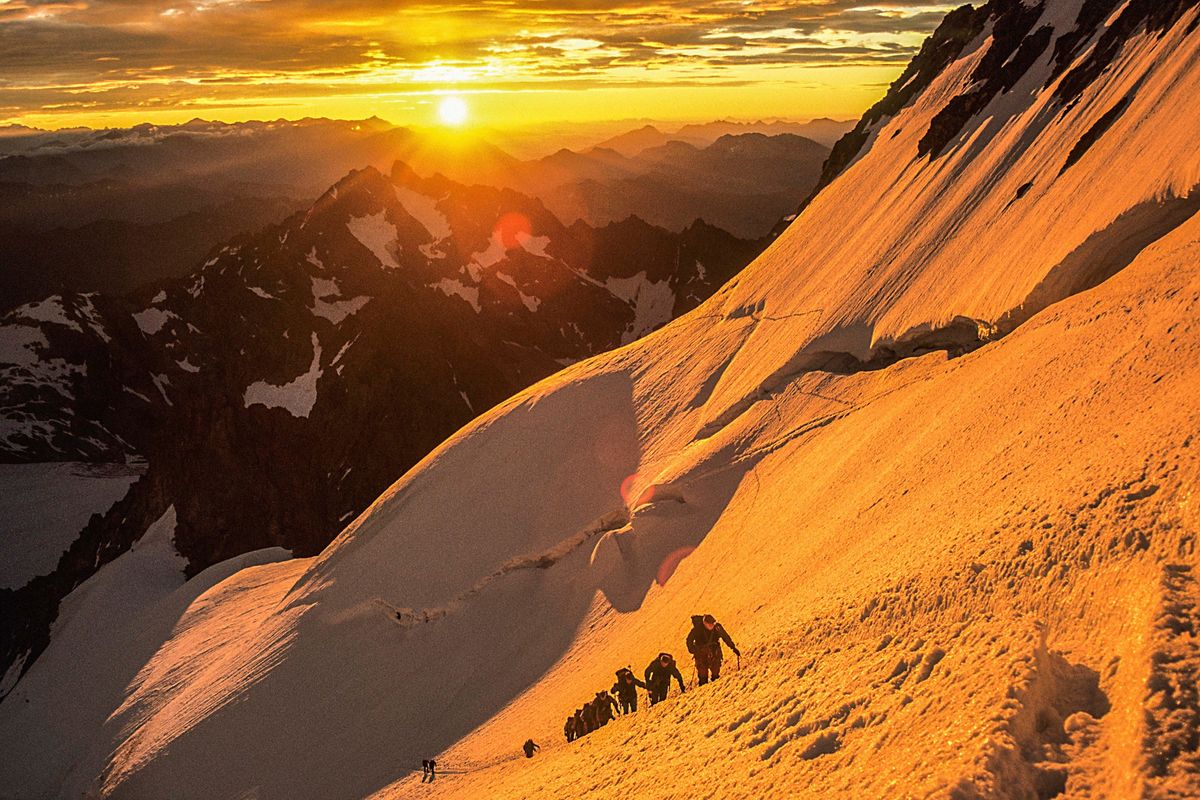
x=124 y=56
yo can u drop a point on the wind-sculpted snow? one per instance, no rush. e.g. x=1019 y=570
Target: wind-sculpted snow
x=930 y=459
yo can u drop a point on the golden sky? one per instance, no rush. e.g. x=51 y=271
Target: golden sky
x=118 y=62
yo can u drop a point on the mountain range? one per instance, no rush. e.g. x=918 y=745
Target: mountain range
x=112 y=210
x=395 y=307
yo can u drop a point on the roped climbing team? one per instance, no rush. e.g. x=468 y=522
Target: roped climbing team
x=703 y=642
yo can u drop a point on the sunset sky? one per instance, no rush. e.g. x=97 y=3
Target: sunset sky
x=118 y=62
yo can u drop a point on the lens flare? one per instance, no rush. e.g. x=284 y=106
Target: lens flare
x=632 y=502
x=511 y=229
x=667 y=568
x=453 y=111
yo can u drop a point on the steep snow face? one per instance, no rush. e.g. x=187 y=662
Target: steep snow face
x=51 y=721
x=107 y=378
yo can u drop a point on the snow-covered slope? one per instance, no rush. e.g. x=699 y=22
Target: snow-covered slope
x=930 y=459
x=44 y=506
x=303 y=368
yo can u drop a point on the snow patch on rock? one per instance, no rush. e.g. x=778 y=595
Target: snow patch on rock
x=297 y=397
x=335 y=311
x=377 y=235
x=653 y=303
x=152 y=320
x=17 y=343
x=424 y=210
x=452 y=287
x=50 y=310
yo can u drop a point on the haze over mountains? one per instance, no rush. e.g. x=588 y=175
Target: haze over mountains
x=931 y=458
x=110 y=210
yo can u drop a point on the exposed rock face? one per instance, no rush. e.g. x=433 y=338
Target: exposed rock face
x=1014 y=46
x=278 y=389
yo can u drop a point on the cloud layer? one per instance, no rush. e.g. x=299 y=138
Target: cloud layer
x=76 y=56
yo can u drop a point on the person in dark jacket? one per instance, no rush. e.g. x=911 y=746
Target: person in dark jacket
x=569 y=729
x=626 y=689
x=606 y=705
x=530 y=747
x=658 y=677
x=580 y=724
x=704 y=643
x=589 y=717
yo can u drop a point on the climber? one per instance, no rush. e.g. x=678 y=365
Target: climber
x=704 y=643
x=626 y=689
x=530 y=747
x=589 y=717
x=580 y=724
x=605 y=706
x=569 y=729
x=658 y=677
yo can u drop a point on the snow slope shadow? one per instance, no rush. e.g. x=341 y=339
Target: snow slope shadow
x=1104 y=254
x=430 y=614
x=1048 y=709
x=661 y=532
x=852 y=349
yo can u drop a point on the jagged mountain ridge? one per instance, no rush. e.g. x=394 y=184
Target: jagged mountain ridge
x=389 y=313
x=113 y=210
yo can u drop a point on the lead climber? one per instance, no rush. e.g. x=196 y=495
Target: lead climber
x=626 y=689
x=704 y=643
x=658 y=677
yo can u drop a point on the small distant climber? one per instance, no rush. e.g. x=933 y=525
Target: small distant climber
x=658 y=677
x=569 y=729
x=704 y=643
x=530 y=747
x=626 y=689
x=428 y=770
x=606 y=705
x=589 y=717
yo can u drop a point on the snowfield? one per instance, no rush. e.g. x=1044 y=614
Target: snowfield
x=931 y=459
x=44 y=506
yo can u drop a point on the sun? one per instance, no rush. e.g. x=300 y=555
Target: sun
x=453 y=111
